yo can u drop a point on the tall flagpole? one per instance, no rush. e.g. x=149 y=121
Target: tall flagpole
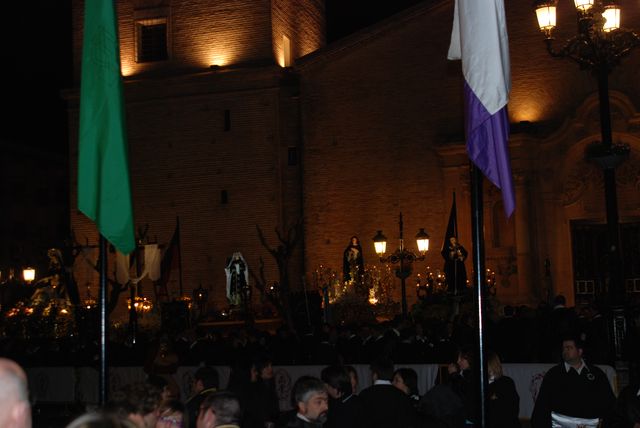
x=104 y=193
x=104 y=367
x=479 y=38
x=477 y=223
x=179 y=254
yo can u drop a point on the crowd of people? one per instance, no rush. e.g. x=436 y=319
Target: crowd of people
x=573 y=393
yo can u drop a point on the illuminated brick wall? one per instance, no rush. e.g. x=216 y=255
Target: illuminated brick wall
x=302 y=21
x=383 y=133
x=225 y=33
x=200 y=133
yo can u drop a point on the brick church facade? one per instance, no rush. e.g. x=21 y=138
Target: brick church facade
x=240 y=116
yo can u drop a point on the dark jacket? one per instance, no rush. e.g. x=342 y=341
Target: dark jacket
x=584 y=395
x=385 y=406
x=291 y=420
x=627 y=409
x=344 y=413
x=193 y=405
x=503 y=404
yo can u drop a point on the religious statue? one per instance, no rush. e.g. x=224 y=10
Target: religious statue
x=237 y=273
x=53 y=287
x=455 y=272
x=352 y=261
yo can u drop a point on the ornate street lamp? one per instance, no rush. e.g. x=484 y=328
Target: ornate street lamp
x=28 y=274
x=599 y=45
x=402 y=256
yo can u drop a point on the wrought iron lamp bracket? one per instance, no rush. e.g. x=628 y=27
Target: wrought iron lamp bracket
x=596 y=50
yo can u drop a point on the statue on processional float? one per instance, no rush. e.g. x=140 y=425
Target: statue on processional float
x=237 y=272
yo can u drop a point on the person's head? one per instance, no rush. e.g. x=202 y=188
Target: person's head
x=353 y=378
x=465 y=359
x=572 y=351
x=261 y=368
x=162 y=384
x=138 y=402
x=337 y=380
x=406 y=380
x=15 y=410
x=171 y=415
x=559 y=300
x=355 y=241
x=508 y=311
x=494 y=366
x=311 y=398
x=382 y=369
x=219 y=408
x=453 y=240
x=205 y=378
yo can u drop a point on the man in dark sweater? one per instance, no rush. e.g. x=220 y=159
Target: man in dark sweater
x=383 y=404
x=573 y=389
x=311 y=400
x=205 y=382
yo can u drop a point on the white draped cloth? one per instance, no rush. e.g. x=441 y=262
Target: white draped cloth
x=151 y=267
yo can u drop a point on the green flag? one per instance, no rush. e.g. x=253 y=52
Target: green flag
x=103 y=175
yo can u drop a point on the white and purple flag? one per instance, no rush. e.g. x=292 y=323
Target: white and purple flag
x=479 y=39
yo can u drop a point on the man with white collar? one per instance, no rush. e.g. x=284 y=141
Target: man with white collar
x=383 y=404
x=573 y=393
x=312 y=404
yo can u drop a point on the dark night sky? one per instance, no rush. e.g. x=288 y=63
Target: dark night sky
x=35 y=67
x=37 y=62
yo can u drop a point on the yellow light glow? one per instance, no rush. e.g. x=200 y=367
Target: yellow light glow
x=127 y=69
x=29 y=274
x=372 y=297
x=611 y=15
x=583 y=5
x=381 y=247
x=527 y=110
x=141 y=304
x=546 y=17
x=219 y=59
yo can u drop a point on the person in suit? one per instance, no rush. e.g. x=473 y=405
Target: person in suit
x=258 y=396
x=462 y=380
x=205 y=382
x=383 y=404
x=311 y=404
x=406 y=380
x=626 y=412
x=573 y=389
x=344 y=407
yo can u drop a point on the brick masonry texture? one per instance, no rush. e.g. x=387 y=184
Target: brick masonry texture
x=377 y=119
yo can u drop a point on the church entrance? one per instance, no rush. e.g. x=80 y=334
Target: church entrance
x=590 y=264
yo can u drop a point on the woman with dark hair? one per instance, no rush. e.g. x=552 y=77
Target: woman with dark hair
x=406 y=380
x=462 y=383
x=258 y=396
x=503 y=399
x=344 y=405
x=353 y=377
